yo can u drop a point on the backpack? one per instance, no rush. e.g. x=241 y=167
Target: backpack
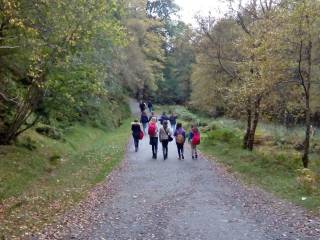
x=141 y=135
x=180 y=138
x=152 y=129
x=196 y=138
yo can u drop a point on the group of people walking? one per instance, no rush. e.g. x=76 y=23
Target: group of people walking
x=159 y=130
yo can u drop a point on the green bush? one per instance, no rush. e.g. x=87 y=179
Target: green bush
x=224 y=135
x=202 y=123
x=50 y=132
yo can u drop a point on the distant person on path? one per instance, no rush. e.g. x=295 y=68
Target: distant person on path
x=153 y=115
x=142 y=106
x=165 y=137
x=150 y=106
x=194 y=140
x=136 y=133
x=173 y=121
x=180 y=135
x=163 y=118
x=153 y=134
x=144 y=121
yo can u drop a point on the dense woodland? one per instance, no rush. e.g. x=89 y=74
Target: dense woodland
x=64 y=61
x=261 y=62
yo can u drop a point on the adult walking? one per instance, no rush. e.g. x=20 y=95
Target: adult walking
x=153 y=115
x=165 y=138
x=180 y=136
x=150 y=106
x=142 y=106
x=153 y=134
x=163 y=118
x=173 y=121
x=144 y=121
x=136 y=133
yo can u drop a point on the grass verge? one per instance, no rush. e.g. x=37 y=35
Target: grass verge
x=39 y=185
x=274 y=164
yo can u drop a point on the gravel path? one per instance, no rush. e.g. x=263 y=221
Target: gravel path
x=181 y=199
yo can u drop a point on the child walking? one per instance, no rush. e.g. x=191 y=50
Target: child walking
x=194 y=140
x=165 y=137
x=180 y=135
x=144 y=120
x=136 y=133
x=153 y=134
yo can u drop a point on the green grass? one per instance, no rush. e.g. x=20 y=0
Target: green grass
x=274 y=163
x=37 y=185
x=275 y=172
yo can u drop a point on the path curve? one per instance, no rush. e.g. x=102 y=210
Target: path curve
x=187 y=199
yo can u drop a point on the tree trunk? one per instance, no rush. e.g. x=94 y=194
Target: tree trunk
x=23 y=113
x=249 y=120
x=307 y=86
x=306 y=144
x=254 y=124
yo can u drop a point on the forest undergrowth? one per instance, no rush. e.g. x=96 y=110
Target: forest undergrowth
x=274 y=164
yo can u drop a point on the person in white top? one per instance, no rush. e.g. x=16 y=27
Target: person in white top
x=165 y=137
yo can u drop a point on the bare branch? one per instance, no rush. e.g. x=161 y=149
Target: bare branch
x=240 y=21
x=262 y=7
x=302 y=80
x=7 y=99
x=221 y=64
x=9 y=47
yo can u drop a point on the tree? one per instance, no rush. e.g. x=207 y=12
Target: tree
x=49 y=34
x=303 y=27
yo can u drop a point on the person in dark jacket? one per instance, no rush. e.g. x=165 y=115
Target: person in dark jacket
x=136 y=129
x=163 y=118
x=150 y=106
x=142 y=106
x=173 y=121
x=144 y=121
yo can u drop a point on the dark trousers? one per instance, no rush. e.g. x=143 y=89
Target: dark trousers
x=154 y=144
x=165 y=148
x=180 y=149
x=136 y=143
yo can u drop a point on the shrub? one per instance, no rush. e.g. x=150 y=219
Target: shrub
x=201 y=123
x=224 y=135
x=50 y=132
x=308 y=180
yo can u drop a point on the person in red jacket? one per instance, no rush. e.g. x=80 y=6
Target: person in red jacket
x=194 y=140
x=153 y=134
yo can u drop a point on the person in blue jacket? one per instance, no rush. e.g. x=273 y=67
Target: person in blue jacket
x=144 y=121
